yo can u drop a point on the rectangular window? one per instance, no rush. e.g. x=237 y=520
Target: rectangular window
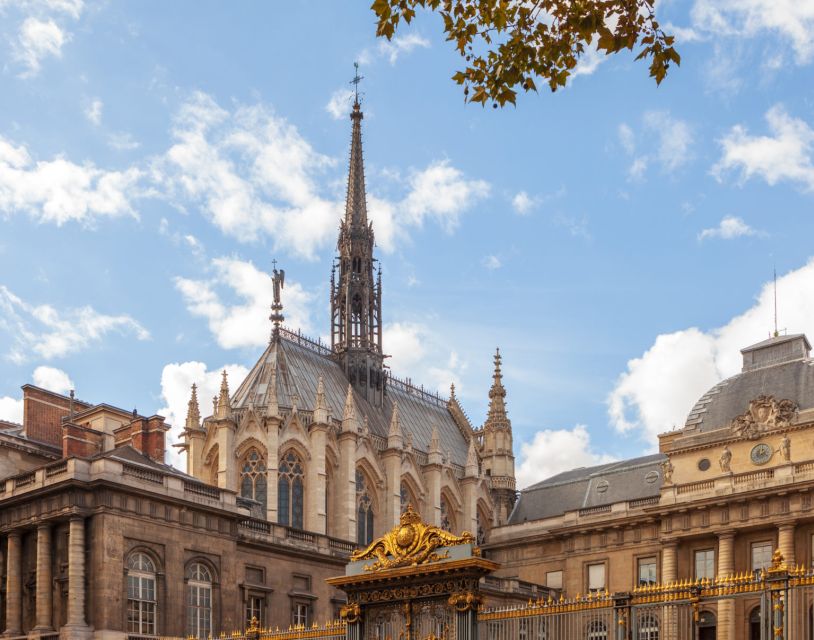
x=254 y=609
x=300 y=614
x=553 y=579
x=596 y=577
x=705 y=564
x=761 y=555
x=647 y=571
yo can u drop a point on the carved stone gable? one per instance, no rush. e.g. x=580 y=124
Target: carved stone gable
x=764 y=413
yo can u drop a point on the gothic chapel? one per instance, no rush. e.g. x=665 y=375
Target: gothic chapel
x=328 y=441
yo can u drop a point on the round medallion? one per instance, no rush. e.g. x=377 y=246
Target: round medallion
x=651 y=477
x=703 y=464
x=602 y=486
x=405 y=536
x=761 y=453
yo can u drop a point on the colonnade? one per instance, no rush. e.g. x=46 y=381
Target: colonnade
x=76 y=626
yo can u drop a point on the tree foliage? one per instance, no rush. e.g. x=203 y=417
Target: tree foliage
x=506 y=44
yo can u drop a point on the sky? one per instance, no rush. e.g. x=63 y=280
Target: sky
x=615 y=239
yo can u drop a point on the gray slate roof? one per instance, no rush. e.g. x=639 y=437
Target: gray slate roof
x=730 y=398
x=590 y=487
x=299 y=367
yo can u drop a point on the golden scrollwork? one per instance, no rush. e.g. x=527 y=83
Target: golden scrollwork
x=411 y=543
x=778 y=562
x=350 y=612
x=467 y=601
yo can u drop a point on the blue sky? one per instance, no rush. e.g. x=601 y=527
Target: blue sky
x=615 y=239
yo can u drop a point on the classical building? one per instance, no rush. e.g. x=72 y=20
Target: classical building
x=316 y=452
x=722 y=495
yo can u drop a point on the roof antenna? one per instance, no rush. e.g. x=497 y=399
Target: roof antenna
x=776 y=332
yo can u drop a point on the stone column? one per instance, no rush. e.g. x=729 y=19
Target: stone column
x=785 y=542
x=14 y=595
x=44 y=579
x=316 y=516
x=347 y=486
x=726 y=567
x=77 y=627
x=669 y=573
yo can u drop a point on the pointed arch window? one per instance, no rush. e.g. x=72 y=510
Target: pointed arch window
x=253 y=478
x=199 y=601
x=407 y=497
x=141 y=595
x=290 y=490
x=447 y=518
x=364 y=511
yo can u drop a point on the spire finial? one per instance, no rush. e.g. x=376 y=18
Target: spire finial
x=193 y=412
x=355 y=82
x=276 y=317
x=349 y=422
x=496 y=417
x=224 y=406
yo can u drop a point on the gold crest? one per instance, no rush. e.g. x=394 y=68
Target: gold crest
x=411 y=543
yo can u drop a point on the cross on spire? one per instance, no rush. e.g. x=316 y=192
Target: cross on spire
x=355 y=82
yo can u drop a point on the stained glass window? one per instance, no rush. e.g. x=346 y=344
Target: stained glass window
x=290 y=490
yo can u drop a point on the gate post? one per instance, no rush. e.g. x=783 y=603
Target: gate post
x=777 y=583
x=621 y=608
x=466 y=607
x=351 y=613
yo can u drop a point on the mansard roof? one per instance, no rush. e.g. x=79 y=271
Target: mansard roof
x=588 y=487
x=299 y=363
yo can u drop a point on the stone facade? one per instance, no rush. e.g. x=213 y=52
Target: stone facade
x=727 y=490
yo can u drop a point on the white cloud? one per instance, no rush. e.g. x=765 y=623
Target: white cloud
x=392 y=49
x=176 y=386
x=11 y=409
x=492 y=262
x=38 y=39
x=122 y=141
x=553 y=451
x=660 y=387
x=416 y=351
x=673 y=139
x=523 y=203
x=56 y=380
x=784 y=155
x=244 y=323
x=93 y=112
x=53 y=379
x=791 y=20
x=589 y=62
x=627 y=138
x=59 y=191
x=43 y=331
x=339 y=105
x=730 y=227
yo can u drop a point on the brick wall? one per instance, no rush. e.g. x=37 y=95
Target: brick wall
x=43 y=412
x=145 y=435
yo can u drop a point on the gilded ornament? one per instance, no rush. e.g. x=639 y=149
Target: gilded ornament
x=411 y=543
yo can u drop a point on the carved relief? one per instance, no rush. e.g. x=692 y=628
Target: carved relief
x=764 y=412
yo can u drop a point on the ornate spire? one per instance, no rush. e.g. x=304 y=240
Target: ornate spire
x=434 y=455
x=193 y=412
x=349 y=421
x=395 y=439
x=497 y=417
x=321 y=407
x=356 y=290
x=224 y=406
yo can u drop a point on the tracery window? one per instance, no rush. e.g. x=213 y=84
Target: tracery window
x=290 y=490
x=199 y=601
x=253 y=478
x=141 y=595
x=364 y=511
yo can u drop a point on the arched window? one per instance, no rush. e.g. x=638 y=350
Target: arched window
x=648 y=627
x=253 y=478
x=481 y=532
x=364 y=512
x=142 y=613
x=199 y=601
x=447 y=517
x=290 y=490
x=407 y=497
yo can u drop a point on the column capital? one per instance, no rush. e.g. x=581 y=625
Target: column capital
x=43 y=525
x=727 y=534
x=15 y=533
x=786 y=526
